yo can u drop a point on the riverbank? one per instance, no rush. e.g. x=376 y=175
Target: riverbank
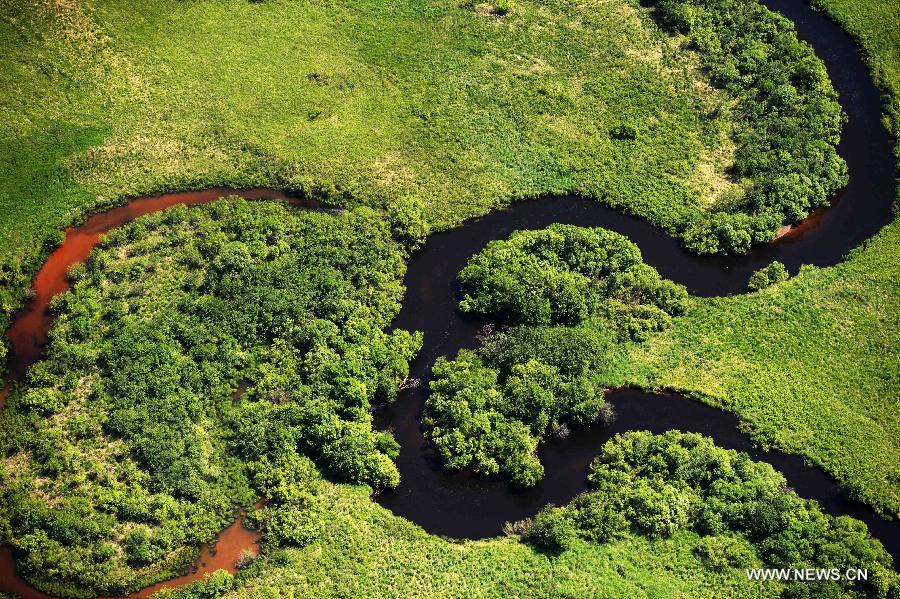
x=109 y=101
x=813 y=364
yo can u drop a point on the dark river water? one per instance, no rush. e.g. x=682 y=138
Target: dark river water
x=465 y=506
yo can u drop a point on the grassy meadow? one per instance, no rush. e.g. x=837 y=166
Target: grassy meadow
x=874 y=25
x=368 y=551
x=370 y=99
x=812 y=364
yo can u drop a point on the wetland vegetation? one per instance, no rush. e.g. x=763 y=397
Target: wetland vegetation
x=128 y=444
x=207 y=357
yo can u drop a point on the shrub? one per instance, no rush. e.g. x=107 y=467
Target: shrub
x=552 y=530
x=299 y=522
x=725 y=551
x=503 y=7
x=409 y=225
x=212 y=586
x=488 y=410
x=790 y=119
x=659 y=484
x=599 y=518
x=168 y=314
x=767 y=276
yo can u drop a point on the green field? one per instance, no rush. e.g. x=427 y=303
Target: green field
x=874 y=25
x=812 y=364
x=376 y=100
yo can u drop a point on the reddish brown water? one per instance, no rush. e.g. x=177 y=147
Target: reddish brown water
x=28 y=333
x=222 y=554
x=231 y=544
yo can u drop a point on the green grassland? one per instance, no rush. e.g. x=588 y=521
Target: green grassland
x=874 y=25
x=466 y=110
x=374 y=99
x=367 y=551
x=813 y=364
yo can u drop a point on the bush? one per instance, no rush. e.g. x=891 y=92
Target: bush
x=599 y=518
x=408 y=223
x=720 y=552
x=551 y=530
x=212 y=586
x=767 y=276
x=503 y=7
x=299 y=522
x=790 y=119
x=487 y=411
x=169 y=313
x=660 y=484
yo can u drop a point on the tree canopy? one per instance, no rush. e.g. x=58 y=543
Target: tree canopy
x=200 y=352
x=564 y=274
x=657 y=485
x=789 y=118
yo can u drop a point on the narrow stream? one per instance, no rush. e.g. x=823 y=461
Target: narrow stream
x=464 y=506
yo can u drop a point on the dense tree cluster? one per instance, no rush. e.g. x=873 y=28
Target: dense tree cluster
x=571 y=293
x=657 y=485
x=408 y=222
x=776 y=272
x=564 y=274
x=790 y=119
x=129 y=442
x=487 y=411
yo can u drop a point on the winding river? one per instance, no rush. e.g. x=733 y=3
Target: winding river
x=464 y=506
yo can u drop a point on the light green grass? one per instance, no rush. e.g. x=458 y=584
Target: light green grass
x=366 y=551
x=876 y=26
x=108 y=99
x=812 y=364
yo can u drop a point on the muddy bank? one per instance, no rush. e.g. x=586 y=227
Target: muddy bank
x=222 y=554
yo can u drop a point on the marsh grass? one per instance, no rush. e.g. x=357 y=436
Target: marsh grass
x=108 y=99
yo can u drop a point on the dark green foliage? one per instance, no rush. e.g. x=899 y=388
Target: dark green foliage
x=598 y=518
x=129 y=428
x=658 y=485
x=503 y=7
x=295 y=523
x=408 y=222
x=790 y=119
x=469 y=432
x=552 y=530
x=765 y=277
x=564 y=274
x=487 y=411
x=293 y=514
